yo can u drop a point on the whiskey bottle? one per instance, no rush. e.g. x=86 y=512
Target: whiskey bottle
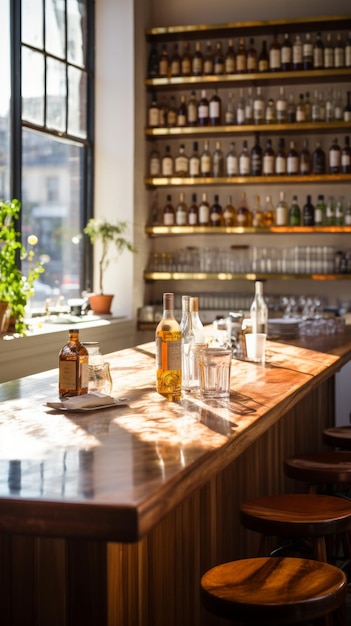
x=308 y=213
x=153 y=113
x=73 y=367
x=214 y=108
x=259 y=107
x=168 y=352
x=334 y=158
x=204 y=211
x=167 y=164
x=269 y=212
x=186 y=61
x=229 y=213
x=181 y=213
x=232 y=166
x=249 y=107
x=206 y=160
x=168 y=214
x=243 y=214
x=263 y=59
x=152 y=63
x=294 y=213
x=218 y=60
x=347 y=109
x=347 y=215
x=293 y=160
x=319 y=160
x=216 y=212
x=175 y=63
x=154 y=162
x=339 y=212
x=163 y=62
x=320 y=212
x=230 y=59
x=329 y=107
x=197 y=66
x=286 y=54
x=339 y=52
x=275 y=55
x=203 y=109
x=282 y=107
x=280 y=158
x=338 y=107
x=308 y=107
x=268 y=163
x=181 y=163
x=208 y=59
x=307 y=53
x=297 y=54
x=218 y=161
x=282 y=211
x=300 y=109
x=318 y=53
x=244 y=160
x=328 y=58
x=194 y=161
x=316 y=111
x=256 y=157
x=259 y=310
x=305 y=160
x=241 y=57
x=291 y=109
x=193 y=213
x=251 y=57
x=240 y=109
x=270 y=114
x=348 y=54
x=163 y=110
x=257 y=213
x=230 y=114
x=182 y=113
x=172 y=113
x=192 y=108
x=345 y=159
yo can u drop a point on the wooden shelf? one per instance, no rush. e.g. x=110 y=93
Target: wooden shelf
x=160 y=230
x=175 y=181
x=184 y=131
x=152 y=276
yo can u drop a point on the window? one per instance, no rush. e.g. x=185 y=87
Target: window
x=53 y=135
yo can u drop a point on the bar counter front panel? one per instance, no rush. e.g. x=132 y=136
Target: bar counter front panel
x=111 y=516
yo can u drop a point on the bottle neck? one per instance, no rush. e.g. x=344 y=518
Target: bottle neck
x=168 y=305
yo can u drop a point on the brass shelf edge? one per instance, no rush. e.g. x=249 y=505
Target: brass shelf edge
x=246 y=180
x=243 y=276
x=238 y=230
x=179 y=131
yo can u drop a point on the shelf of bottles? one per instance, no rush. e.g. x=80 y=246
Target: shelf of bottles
x=152 y=276
x=244 y=180
x=301 y=127
x=239 y=230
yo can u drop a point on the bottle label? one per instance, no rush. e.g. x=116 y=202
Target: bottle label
x=280 y=165
x=229 y=117
x=175 y=68
x=208 y=66
x=300 y=114
x=281 y=215
x=186 y=66
x=167 y=167
x=348 y=55
x=181 y=119
x=241 y=63
x=168 y=219
x=334 y=158
x=232 y=165
x=68 y=375
x=308 y=51
x=318 y=217
x=244 y=165
x=229 y=66
x=215 y=219
x=328 y=58
x=345 y=159
x=206 y=165
x=293 y=164
x=347 y=116
x=339 y=57
x=204 y=214
x=318 y=60
x=169 y=358
x=192 y=218
x=181 y=217
x=154 y=167
x=258 y=110
x=268 y=164
x=275 y=59
x=263 y=65
x=192 y=113
x=286 y=55
x=197 y=65
x=251 y=64
x=203 y=111
x=240 y=116
x=214 y=109
x=154 y=117
x=297 y=55
x=181 y=164
x=194 y=167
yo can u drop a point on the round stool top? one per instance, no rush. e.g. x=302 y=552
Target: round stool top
x=297 y=514
x=330 y=466
x=339 y=437
x=272 y=588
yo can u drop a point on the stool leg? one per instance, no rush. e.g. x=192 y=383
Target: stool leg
x=320 y=549
x=265 y=545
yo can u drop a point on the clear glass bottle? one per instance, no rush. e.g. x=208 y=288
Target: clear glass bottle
x=167 y=163
x=269 y=212
x=204 y=211
x=168 y=214
x=282 y=211
x=282 y=107
x=294 y=213
x=194 y=161
x=338 y=107
x=229 y=213
x=244 y=160
x=193 y=339
x=192 y=110
x=320 y=211
x=232 y=166
x=181 y=162
x=168 y=352
x=181 y=212
x=230 y=114
x=259 y=310
x=240 y=109
x=100 y=380
x=193 y=213
x=249 y=107
x=300 y=109
x=206 y=160
x=73 y=367
x=218 y=161
x=339 y=212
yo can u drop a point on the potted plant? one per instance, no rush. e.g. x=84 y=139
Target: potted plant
x=109 y=235
x=15 y=288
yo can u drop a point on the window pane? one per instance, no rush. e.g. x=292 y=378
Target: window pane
x=32 y=86
x=55 y=30
x=56 y=95
x=51 y=196
x=32 y=23
x=77 y=102
x=76 y=32
x=5 y=93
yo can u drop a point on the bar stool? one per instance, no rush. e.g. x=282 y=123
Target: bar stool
x=275 y=590
x=321 y=469
x=338 y=437
x=297 y=518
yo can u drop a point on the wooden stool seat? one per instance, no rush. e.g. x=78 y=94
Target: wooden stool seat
x=338 y=437
x=330 y=466
x=310 y=516
x=274 y=590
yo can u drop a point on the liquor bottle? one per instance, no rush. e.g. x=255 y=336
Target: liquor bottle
x=181 y=212
x=216 y=212
x=73 y=367
x=193 y=213
x=270 y=114
x=263 y=59
x=269 y=212
x=168 y=352
x=194 y=161
x=339 y=212
x=163 y=110
x=322 y=107
x=153 y=113
x=240 y=109
x=316 y=112
x=218 y=161
x=300 y=109
x=181 y=163
x=308 y=213
x=280 y=159
x=206 y=160
x=305 y=159
x=318 y=53
x=319 y=160
x=347 y=216
x=229 y=213
x=230 y=59
x=192 y=108
x=241 y=57
x=338 y=107
x=257 y=213
x=197 y=64
x=204 y=211
x=175 y=63
x=282 y=107
x=154 y=210
x=214 y=108
x=193 y=338
x=347 y=109
x=244 y=160
x=259 y=107
x=249 y=107
x=172 y=112
x=152 y=63
x=203 y=109
x=268 y=164
x=328 y=59
x=339 y=52
x=168 y=214
x=252 y=56
x=232 y=166
x=208 y=59
x=154 y=162
x=167 y=164
x=320 y=212
x=329 y=107
x=282 y=211
x=308 y=107
x=345 y=159
x=297 y=54
x=182 y=113
x=307 y=53
x=286 y=54
x=243 y=214
x=334 y=158
x=291 y=109
x=163 y=62
x=218 y=60
x=259 y=310
x=275 y=55
x=186 y=61
x=256 y=157
x=292 y=160
x=230 y=114
x=294 y=218
x=330 y=219
x=348 y=51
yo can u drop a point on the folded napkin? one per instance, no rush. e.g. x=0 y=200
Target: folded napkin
x=87 y=400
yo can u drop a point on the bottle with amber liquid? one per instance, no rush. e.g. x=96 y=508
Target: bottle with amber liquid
x=216 y=213
x=252 y=62
x=230 y=59
x=241 y=57
x=229 y=213
x=275 y=55
x=218 y=59
x=168 y=214
x=257 y=213
x=193 y=213
x=169 y=352
x=243 y=214
x=73 y=367
x=185 y=63
x=263 y=59
x=197 y=65
x=269 y=212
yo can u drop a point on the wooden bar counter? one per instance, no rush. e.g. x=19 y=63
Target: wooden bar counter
x=110 y=517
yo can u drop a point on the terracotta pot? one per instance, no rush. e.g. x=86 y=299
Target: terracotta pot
x=4 y=317
x=100 y=303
